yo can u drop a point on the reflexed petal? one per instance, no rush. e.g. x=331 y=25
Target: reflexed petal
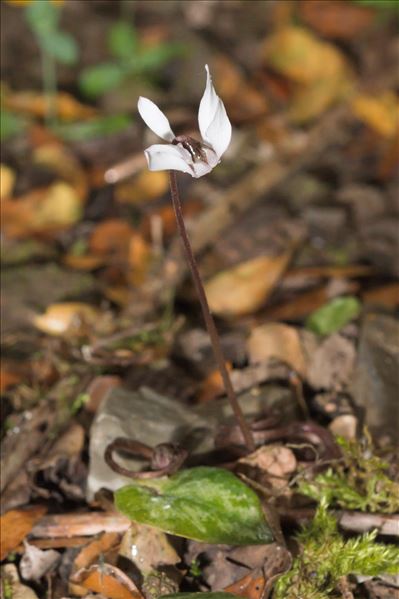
x=167 y=157
x=155 y=119
x=213 y=121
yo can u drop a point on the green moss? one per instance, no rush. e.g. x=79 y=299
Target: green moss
x=359 y=481
x=325 y=556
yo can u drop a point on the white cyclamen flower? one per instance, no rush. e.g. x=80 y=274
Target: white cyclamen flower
x=184 y=153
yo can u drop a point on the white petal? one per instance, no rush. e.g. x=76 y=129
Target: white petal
x=213 y=121
x=165 y=157
x=155 y=119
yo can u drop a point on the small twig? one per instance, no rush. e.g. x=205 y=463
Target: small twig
x=209 y=321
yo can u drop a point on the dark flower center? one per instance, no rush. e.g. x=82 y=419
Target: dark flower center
x=196 y=148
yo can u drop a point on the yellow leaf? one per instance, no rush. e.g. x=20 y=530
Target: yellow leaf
x=245 y=287
x=318 y=69
x=68 y=317
x=146 y=186
x=380 y=112
x=33 y=103
x=7 y=180
x=59 y=207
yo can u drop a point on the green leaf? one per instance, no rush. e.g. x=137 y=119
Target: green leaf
x=204 y=504
x=11 y=124
x=334 y=315
x=216 y=595
x=42 y=16
x=61 y=46
x=99 y=79
x=100 y=127
x=123 y=40
x=154 y=58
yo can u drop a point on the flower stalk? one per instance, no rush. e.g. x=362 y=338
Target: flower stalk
x=209 y=321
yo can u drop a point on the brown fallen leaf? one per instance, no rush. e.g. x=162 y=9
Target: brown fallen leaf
x=339 y=20
x=144 y=187
x=101 y=545
x=139 y=259
x=276 y=461
x=108 y=580
x=166 y=216
x=85 y=262
x=244 y=288
x=41 y=211
x=250 y=586
x=62 y=161
x=111 y=237
x=298 y=307
x=243 y=100
x=70 y=318
x=33 y=103
x=15 y=525
x=278 y=341
x=379 y=112
x=105 y=546
x=318 y=69
x=79 y=524
x=8 y=377
x=387 y=295
x=212 y=386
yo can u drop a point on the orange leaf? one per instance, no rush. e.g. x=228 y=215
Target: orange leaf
x=15 y=525
x=212 y=386
x=245 y=287
x=250 y=586
x=107 y=580
x=111 y=237
x=35 y=104
x=146 y=186
x=380 y=112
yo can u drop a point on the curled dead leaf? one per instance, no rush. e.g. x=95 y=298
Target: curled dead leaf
x=108 y=580
x=245 y=287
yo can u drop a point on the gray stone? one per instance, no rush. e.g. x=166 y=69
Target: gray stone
x=376 y=381
x=151 y=418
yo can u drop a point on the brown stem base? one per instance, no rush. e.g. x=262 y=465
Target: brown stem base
x=209 y=321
